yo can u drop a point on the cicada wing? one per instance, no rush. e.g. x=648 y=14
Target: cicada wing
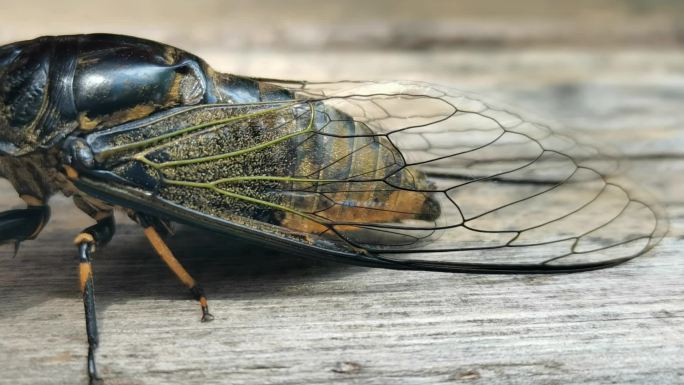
x=526 y=194
x=409 y=174
x=511 y=190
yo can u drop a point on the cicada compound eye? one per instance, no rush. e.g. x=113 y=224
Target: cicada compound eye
x=23 y=78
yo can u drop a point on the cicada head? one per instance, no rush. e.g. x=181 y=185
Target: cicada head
x=24 y=70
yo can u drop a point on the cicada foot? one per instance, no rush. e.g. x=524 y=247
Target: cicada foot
x=22 y=224
x=93 y=378
x=87 y=242
x=198 y=293
x=167 y=256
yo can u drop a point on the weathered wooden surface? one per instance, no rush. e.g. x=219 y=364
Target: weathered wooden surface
x=285 y=320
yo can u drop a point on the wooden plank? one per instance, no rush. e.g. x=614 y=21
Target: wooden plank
x=286 y=320
x=281 y=319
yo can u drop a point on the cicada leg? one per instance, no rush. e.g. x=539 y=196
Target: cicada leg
x=167 y=256
x=22 y=224
x=87 y=242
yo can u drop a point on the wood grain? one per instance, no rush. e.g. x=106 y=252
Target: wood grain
x=281 y=319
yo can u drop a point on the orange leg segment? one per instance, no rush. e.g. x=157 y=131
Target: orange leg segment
x=167 y=256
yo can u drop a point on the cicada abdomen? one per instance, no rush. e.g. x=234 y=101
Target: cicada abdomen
x=345 y=176
x=301 y=165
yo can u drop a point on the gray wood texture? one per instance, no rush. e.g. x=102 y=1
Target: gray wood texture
x=281 y=319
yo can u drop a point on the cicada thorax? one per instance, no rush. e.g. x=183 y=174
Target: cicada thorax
x=56 y=85
x=59 y=86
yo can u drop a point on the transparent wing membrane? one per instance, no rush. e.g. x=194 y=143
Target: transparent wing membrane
x=408 y=173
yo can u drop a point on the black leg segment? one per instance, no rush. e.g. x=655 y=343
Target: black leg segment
x=88 y=292
x=22 y=224
x=87 y=241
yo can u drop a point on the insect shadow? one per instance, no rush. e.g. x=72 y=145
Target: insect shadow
x=128 y=269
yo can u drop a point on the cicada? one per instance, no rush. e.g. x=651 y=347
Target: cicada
x=399 y=175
